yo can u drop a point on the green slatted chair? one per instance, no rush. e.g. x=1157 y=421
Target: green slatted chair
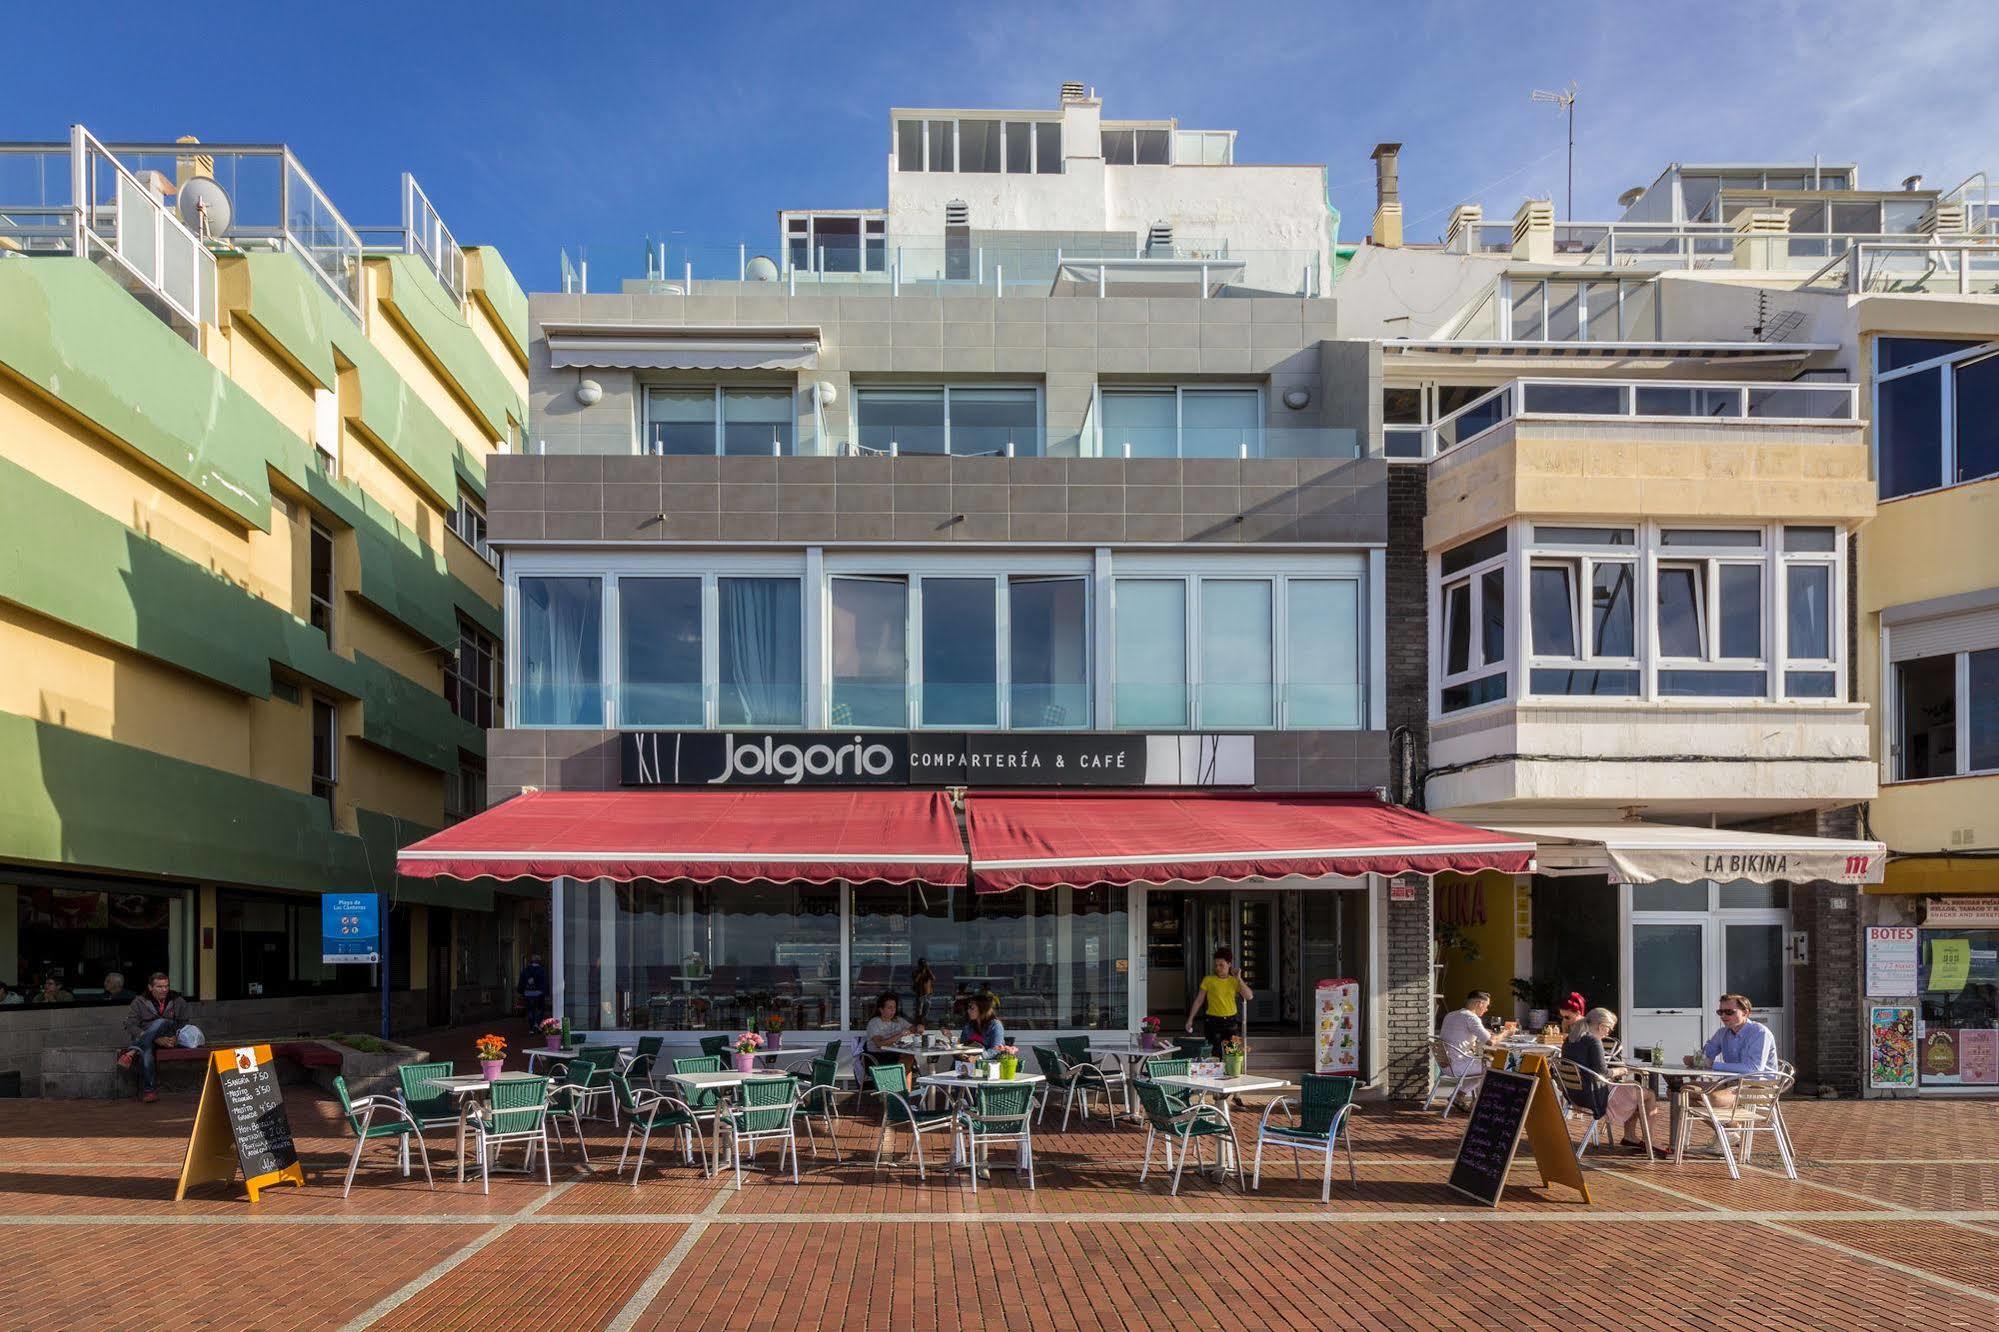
x=647 y=1112
x=706 y=1103
x=1191 y=1047
x=518 y=1113
x=1188 y=1126
x=891 y=1083
x=570 y=1092
x=815 y=1097
x=396 y=1126
x=1074 y=1080
x=1325 y=1103
x=589 y=1072
x=428 y=1107
x=767 y=1114
x=1154 y=1069
x=1000 y=1112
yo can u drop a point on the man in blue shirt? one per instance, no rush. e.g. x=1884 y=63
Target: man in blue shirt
x=1741 y=1044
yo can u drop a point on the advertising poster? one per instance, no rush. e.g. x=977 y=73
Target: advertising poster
x=1978 y=1057
x=350 y=928
x=1891 y=960
x=1336 y=1039
x=1950 y=965
x=1891 y=1046
x=1939 y=1055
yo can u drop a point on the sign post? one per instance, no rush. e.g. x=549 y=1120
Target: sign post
x=350 y=930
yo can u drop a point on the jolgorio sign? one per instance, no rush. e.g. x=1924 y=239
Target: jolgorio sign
x=933 y=758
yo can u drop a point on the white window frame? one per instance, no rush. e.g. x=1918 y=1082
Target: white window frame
x=463 y=519
x=1507 y=564
x=1133 y=128
x=326 y=427
x=1946 y=415
x=1582 y=560
x=1205 y=136
x=925 y=120
x=1503 y=308
x=315 y=531
x=946 y=387
x=873 y=227
x=1961 y=699
x=720 y=394
x=1180 y=392
x=1193 y=572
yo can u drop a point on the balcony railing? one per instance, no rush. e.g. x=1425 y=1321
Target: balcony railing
x=1929 y=268
x=1686 y=245
x=424 y=235
x=81 y=200
x=1645 y=400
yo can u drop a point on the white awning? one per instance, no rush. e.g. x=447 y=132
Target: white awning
x=1633 y=851
x=641 y=347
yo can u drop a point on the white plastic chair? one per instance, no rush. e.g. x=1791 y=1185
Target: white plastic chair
x=1445 y=1054
x=1755 y=1110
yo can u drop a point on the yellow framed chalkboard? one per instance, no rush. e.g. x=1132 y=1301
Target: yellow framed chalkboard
x=241 y=1124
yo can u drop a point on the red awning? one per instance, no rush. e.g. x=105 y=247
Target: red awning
x=819 y=836
x=1042 y=841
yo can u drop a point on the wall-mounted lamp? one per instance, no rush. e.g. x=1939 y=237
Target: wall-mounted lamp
x=589 y=393
x=828 y=392
x=1297 y=399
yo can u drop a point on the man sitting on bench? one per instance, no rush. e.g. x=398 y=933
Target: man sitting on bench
x=153 y=1022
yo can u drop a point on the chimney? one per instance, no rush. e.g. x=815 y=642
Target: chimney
x=1076 y=92
x=1387 y=224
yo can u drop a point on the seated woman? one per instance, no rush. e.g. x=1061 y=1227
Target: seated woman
x=982 y=1024
x=884 y=1029
x=1621 y=1104
x=1569 y=1017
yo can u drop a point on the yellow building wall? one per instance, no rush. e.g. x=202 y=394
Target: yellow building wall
x=261 y=370
x=403 y=353
x=1485 y=902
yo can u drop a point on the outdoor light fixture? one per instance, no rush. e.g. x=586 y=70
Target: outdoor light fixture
x=1297 y=399
x=589 y=393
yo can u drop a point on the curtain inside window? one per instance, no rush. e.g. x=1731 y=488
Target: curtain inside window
x=562 y=652
x=760 y=652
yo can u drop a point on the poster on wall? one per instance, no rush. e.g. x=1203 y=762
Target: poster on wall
x=1891 y=1046
x=1891 y=960
x=1939 y=1055
x=1978 y=1057
x=1950 y=965
x=1336 y=1038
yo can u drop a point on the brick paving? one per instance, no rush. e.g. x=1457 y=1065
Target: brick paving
x=1894 y=1222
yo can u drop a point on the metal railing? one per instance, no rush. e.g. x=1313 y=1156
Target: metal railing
x=1631 y=399
x=1688 y=245
x=429 y=239
x=1932 y=268
x=98 y=210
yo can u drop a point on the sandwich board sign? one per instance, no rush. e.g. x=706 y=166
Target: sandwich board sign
x=241 y=1124
x=1510 y=1103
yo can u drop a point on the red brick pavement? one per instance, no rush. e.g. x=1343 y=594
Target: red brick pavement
x=1894 y=1223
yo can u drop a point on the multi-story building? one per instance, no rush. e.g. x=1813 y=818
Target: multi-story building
x=1050 y=474
x=248 y=618
x=1638 y=464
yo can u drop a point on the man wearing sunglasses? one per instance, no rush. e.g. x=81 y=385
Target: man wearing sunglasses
x=1741 y=1044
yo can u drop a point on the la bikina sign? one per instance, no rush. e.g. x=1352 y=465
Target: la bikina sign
x=933 y=758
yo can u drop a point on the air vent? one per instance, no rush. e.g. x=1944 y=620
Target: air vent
x=957 y=213
x=1075 y=92
x=1159 y=240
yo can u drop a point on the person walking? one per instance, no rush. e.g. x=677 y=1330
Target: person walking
x=1222 y=995
x=533 y=990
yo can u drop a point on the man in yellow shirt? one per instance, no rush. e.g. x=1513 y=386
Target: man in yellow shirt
x=1220 y=994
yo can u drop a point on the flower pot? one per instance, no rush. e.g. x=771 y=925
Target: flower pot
x=1148 y=1041
x=745 y=1062
x=555 y=1041
x=1232 y=1065
x=490 y=1068
x=772 y=1038
x=1009 y=1065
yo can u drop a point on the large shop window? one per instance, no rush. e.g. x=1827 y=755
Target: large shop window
x=88 y=943
x=1180 y=422
x=1946 y=695
x=1229 y=652
x=964 y=420
x=561 y=651
x=1936 y=413
x=267 y=946
x=1958 y=1043
x=710 y=420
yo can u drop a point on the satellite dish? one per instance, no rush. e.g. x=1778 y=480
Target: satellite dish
x=760 y=269
x=204 y=206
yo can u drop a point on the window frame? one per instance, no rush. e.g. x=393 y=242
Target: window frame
x=324 y=785
x=468 y=523
x=1473 y=578
x=1031 y=119
x=1503 y=304
x=1948 y=365
x=1180 y=391
x=861 y=389
x=458 y=684
x=1961 y=700
x=871 y=229
x=718 y=418
x=320 y=606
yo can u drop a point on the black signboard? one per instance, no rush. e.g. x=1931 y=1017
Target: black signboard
x=1492 y=1134
x=255 y=1105
x=927 y=758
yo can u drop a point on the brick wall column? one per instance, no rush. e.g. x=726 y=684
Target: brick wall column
x=1407 y=994
x=1407 y=651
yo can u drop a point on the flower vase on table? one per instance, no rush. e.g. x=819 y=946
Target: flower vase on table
x=1009 y=1062
x=1235 y=1053
x=747 y=1046
x=1148 y=1034
x=492 y=1053
x=551 y=1028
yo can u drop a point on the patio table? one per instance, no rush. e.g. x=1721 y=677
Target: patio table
x=1131 y=1054
x=724 y=1081
x=1677 y=1077
x=464 y=1087
x=965 y=1085
x=1221 y=1089
x=534 y=1057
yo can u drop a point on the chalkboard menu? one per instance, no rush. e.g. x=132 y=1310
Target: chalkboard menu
x=1492 y=1134
x=257 y=1119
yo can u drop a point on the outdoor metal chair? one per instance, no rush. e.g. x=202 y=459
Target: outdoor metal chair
x=999 y=1113
x=567 y=1100
x=1325 y=1107
x=648 y=1111
x=716 y=1045
x=1191 y=1047
x=707 y=1102
x=1074 y=1080
x=1579 y=1086
x=765 y=1115
x=1754 y=1109
x=816 y=1095
x=396 y=1125
x=1188 y=1126
x=891 y=1083
x=588 y=1071
x=1154 y=1069
x=1445 y=1054
x=518 y=1114
x=427 y=1106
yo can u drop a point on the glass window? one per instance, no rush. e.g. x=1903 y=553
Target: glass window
x=1808 y=611
x=1048 y=148
x=941 y=139
x=1119 y=148
x=1810 y=539
x=680 y=421
x=1681 y=632
x=1151 y=639
x=320 y=591
x=1564 y=311
x=1908 y=433
x=1053 y=959
x=1666 y=967
x=1737 y=894
x=470 y=685
x=325 y=749
x=1612 y=623
x=1982 y=703
x=909 y=145
x=905 y=420
x=1528 y=324
x=1742 y=611
x=1219 y=423
x=979 y=145
x=836 y=244
x=93 y=943
x=561 y=652
x=757 y=421
x=960 y=652
x=870 y=652
x=1476 y=551
x=1237 y=653
x=1141 y=423
x=1977 y=415
x=659 y=632
x=1019 y=148
x=1896 y=353
x=1697 y=196
x=1048 y=652
x=1457 y=628
x=1552 y=603
x=1903 y=217
x=994 y=422
x=267 y=946
x=1856 y=219
x=1716 y=684
x=1666 y=895
x=1722 y=537
x=1153 y=147
x=1322 y=665
x=760 y=652
x=1754 y=963
x=1492 y=615
x=1927 y=690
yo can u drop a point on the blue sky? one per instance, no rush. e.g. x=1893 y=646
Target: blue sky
x=538 y=126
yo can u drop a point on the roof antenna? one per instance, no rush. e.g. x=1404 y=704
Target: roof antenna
x=1566 y=99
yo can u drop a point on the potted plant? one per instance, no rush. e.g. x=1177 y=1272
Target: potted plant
x=1539 y=996
x=1009 y=1061
x=747 y=1046
x=492 y=1055
x=774 y=1029
x=1148 y=1033
x=552 y=1029
x=1235 y=1051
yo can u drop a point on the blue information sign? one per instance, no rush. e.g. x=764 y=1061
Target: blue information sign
x=350 y=928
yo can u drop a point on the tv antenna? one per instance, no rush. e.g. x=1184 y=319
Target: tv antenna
x=1566 y=99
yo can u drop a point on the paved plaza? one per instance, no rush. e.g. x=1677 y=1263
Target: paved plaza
x=1894 y=1222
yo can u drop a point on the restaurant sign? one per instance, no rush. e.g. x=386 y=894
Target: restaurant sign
x=933 y=758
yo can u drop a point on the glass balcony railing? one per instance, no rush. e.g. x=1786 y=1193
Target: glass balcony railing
x=1253 y=706
x=1962 y=269
x=1226 y=442
x=1636 y=399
